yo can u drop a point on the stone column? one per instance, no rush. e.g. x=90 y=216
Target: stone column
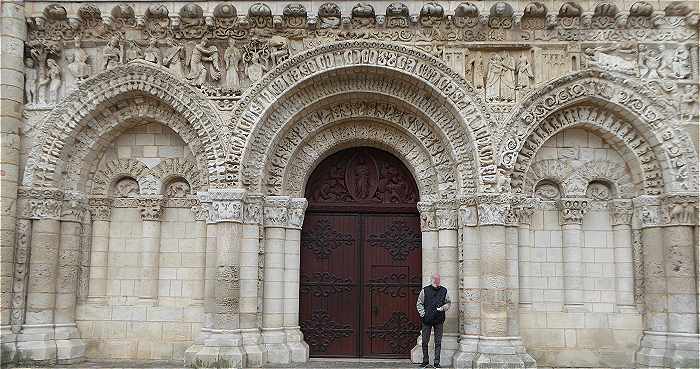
x=222 y=346
x=199 y=214
x=69 y=347
x=680 y=254
x=621 y=213
x=652 y=349
x=14 y=33
x=429 y=259
x=37 y=342
x=274 y=337
x=207 y=233
x=571 y=216
x=250 y=332
x=101 y=211
x=497 y=348
x=151 y=208
x=298 y=349
x=470 y=299
x=525 y=245
x=446 y=216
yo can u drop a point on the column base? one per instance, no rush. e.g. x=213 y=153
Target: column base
x=275 y=344
x=492 y=352
x=70 y=348
x=219 y=350
x=668 y=349
x=298 y=349
x=449 y=347
x=8 y=345
x=50 y=345
x=253 y=348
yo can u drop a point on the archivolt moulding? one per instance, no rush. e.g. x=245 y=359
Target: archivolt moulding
x=136 y=78
x=434 y=89
x=639 y=120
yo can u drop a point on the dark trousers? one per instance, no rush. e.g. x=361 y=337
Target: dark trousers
x=425 y=334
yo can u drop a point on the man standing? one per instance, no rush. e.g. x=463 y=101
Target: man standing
x=433 y=302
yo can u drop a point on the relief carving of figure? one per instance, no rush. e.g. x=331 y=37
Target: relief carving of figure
x=688 y=102
x=152 y=53
x=30 y=81
x=111 y=54
x=499 y=78
x=127 y=187
x=613 y=58
x=202 y=54
x=524 y=71
x=52 y=82
x=232 y=60
x=258 y=61
x=178 y=189
x=173 y=61
x=652 y=63
x=79 y=66
x=478 y=71
x=680 y=64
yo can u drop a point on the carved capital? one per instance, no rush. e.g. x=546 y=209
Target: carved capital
x=525 y=209
x=446 y=215
x=100 y=208
x=75 y=208
x=648 y=210
x=679 y=209
x=34 y=203
x=200 y=211
x=468 y=216
x=275 y=213
x=428 y=221
x=151 y=207
x=572 y=210
x=253 y=209
x=494 y=209
x=295 y=212
x=621 y=211
x=226 y=205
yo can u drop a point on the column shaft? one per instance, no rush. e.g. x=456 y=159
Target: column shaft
x=150 y=255
x=572 y=211
x=624 y=272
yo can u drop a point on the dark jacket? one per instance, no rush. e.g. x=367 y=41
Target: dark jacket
x=429 y=300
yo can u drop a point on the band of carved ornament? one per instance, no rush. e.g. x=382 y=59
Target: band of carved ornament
x=572 y=210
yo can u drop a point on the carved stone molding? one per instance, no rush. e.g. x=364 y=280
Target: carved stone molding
x=75 y=208
x=648 y=211
x=494 y=209
x=295 y=212
x=100 y=208
x=525 y=208
x=226 y=205
x=680 y=209
x=23 y=236
x=275 y=212
x=428 y=221
x=621 y=211
x=200 y=211
x=150 y=207
x=572 y=210
x=253 y=209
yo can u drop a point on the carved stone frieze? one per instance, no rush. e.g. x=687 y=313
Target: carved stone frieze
x=680 y=209
x=34 y=203
x=572 y=210
x=75 y=208
x=494 y=209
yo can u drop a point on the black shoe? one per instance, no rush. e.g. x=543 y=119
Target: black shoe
x=437 y=365
x=423 y=365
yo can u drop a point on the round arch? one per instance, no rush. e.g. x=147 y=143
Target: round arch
x=422 y=81
x=87 y=106
x=638 y=121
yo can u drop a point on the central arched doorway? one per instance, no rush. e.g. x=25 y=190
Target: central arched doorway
x=360 y=257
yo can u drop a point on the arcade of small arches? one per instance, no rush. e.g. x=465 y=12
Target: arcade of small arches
x=514 y=214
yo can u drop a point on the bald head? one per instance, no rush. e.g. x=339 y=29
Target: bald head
x=435 y=279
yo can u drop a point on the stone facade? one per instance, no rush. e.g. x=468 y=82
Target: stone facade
x=155 y=155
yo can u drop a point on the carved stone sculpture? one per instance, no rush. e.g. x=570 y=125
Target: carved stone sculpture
x=112 y=53
x=30 y=81
x=152 y=53
x=232 y=60
x=52 y=83
x=79 y=66
x=204 y=63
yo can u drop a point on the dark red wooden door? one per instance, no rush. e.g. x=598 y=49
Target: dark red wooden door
x=360 y=257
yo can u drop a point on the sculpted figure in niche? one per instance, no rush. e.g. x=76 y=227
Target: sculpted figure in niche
x=152 y=53
x=232 y=60
x=202 y=54
x=688 y=102
x=547 y=191
x=30 y=77
x=78 y=66
x=598 y=191
x=52 y=82
x=111 y=54
x=478 y=71
x=280 y=49
x=173 y=61
x=524 y=72
x=499 y=78
x=178 y=189
x=680 y=65
x=255 y=68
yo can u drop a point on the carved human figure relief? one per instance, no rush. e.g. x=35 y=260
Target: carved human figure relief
x=546 y=190
x=688 y=102
x=174 y=60
x=178 y=189
x=51 y=84
x=619 y=58
x=680 y=64
x=524 y=72
x=112 y=53
x=30 y=81
x=652 y=62
x=152 y=53
x=598 y=191
x=204 y=63
x=232 y=60
x=499 y=78
x=79 y=66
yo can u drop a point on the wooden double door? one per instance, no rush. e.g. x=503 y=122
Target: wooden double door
x=360 y=259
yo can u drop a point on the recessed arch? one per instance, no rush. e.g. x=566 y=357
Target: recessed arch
x=620 y=107
x=88 y=104
x=408 y=74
